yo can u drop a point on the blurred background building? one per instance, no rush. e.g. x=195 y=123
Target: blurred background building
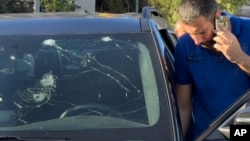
x=244 y=10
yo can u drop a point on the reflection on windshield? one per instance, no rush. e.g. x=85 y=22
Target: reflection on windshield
x=71 y=77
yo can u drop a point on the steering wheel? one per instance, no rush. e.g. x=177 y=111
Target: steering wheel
x=88 y=109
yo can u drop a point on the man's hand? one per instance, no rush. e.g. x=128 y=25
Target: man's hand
x=229 y=45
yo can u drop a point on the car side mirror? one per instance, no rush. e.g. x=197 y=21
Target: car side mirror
x=242 y=118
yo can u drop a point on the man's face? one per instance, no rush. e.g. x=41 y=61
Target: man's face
x=201 y=31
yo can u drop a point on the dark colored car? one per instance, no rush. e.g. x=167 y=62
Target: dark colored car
x=89 y=77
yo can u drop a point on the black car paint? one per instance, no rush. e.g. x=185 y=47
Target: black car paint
x=42 y=24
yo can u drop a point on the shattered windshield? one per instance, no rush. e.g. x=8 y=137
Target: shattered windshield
x=47 y=79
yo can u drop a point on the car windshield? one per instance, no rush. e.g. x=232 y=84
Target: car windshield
x=77 y=81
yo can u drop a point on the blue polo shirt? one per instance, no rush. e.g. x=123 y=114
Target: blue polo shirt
x=217 y=82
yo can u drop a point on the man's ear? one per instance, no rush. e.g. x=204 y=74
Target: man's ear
x=217 y=13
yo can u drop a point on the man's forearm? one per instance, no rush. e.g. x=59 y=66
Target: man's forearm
x=185 y=120
x=185 y=104
x=244 y=63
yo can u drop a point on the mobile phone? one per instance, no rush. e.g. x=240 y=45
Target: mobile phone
x=222 y=20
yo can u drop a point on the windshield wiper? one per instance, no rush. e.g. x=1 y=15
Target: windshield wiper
x=32 y=139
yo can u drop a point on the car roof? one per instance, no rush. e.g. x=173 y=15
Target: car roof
x=79 y=22
x=69 y=22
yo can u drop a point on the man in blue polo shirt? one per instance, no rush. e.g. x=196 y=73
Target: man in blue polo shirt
x=212 y=66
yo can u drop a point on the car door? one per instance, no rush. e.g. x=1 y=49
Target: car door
x=224 y=128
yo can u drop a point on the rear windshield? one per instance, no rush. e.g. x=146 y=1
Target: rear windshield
x=50 y=80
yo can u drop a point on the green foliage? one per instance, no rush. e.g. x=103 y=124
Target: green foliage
x=57 y=5
x=113 y=6
x=116 y=6
x=169 y=7
x=16 y=6
x=231 y=5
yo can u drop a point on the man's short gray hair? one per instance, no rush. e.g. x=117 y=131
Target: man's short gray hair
x=190 y=10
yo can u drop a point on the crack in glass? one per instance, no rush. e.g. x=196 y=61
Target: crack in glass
x=43 y=91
